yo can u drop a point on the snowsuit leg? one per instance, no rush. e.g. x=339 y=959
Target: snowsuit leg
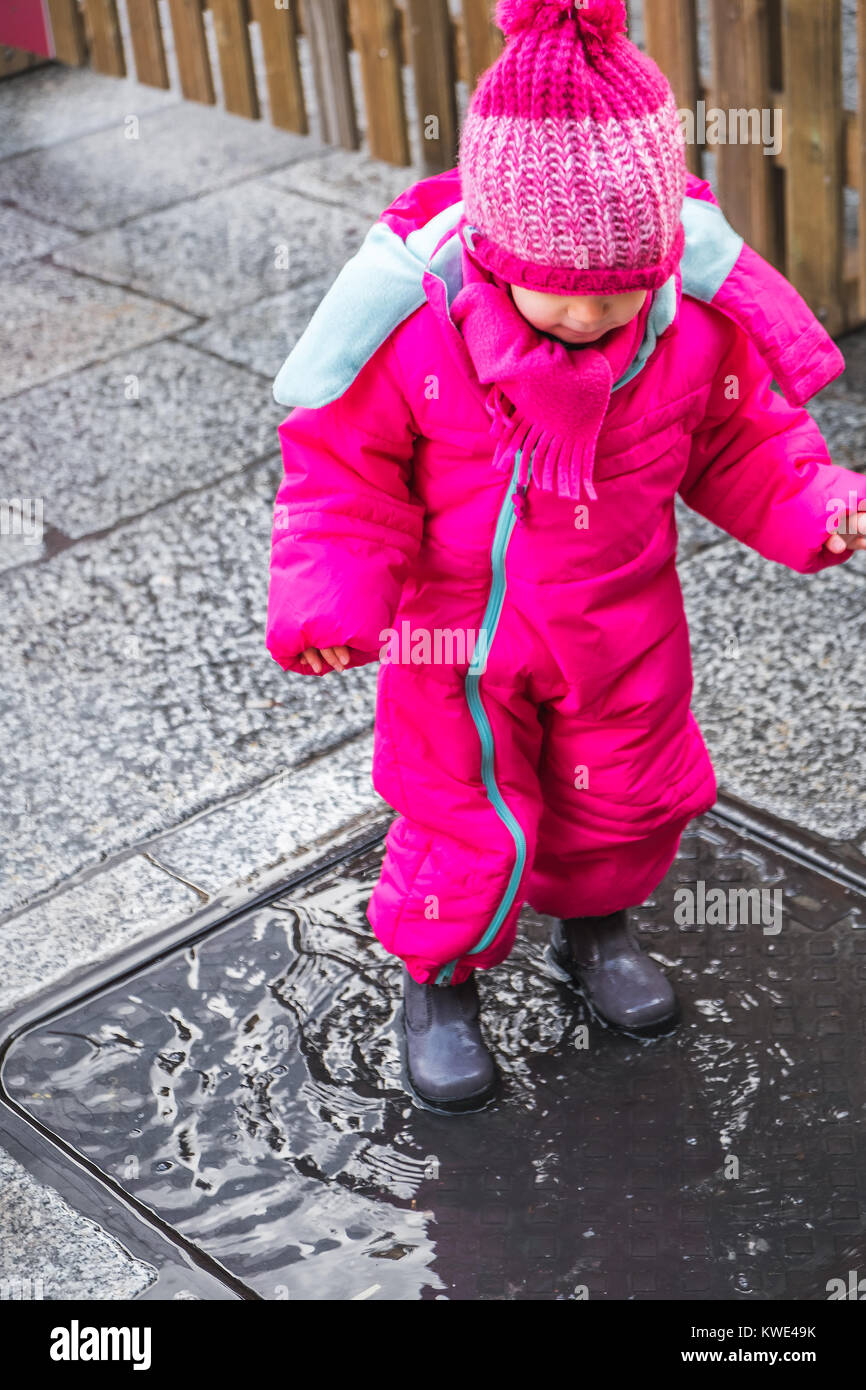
x=619 y=786
x=453 y=861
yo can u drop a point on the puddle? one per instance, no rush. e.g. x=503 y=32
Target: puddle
x=248 y=1091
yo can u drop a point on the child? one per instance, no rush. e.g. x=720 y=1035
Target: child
x=496 y=404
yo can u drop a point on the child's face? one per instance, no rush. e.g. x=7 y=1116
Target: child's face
x=577 y=318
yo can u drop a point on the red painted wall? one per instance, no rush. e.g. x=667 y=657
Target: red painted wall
x=25 y=24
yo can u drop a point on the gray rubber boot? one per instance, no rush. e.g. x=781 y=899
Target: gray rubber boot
x=447 y=1061
x=622 y=986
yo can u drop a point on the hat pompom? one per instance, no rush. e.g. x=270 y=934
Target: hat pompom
x=601 y=19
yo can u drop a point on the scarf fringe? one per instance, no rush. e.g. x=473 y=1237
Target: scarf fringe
x=557 y=464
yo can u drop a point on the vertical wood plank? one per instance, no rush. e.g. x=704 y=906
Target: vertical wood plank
x=741 y=83
x=104 y=40
x=67 y=28
x=814 y=207
x=235 y=57
x=431 y=45
x=279 y=32
x=776 y=99
x=326 y=27
x=190 y=46
x=148 y=50
x=374 y=35
x=483 y=41
x=672 y=41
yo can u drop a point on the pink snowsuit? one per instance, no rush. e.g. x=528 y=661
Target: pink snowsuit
x=563 y=771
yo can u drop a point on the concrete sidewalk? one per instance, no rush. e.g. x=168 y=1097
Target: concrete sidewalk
x=154 y=755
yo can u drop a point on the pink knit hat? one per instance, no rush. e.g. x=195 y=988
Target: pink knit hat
x=572 y=158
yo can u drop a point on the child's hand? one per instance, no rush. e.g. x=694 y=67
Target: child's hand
x=847 y=538
x=337 y=657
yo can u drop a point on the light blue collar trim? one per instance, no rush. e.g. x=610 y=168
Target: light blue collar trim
x=374 y=292
x=661 y=315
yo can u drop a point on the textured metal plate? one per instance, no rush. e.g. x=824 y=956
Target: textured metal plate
x=248 y=1091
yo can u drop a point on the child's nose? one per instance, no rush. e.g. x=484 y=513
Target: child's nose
x=584 y=317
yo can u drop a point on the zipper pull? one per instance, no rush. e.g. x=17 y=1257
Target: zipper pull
x=518 y=499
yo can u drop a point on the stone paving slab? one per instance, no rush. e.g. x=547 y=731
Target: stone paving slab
x=54 y=321
x=21 y=530
x=780 y=677
x=134 y=432
x=286 y=822
x=138 y=686
x=262 y=335
x=225 y=249
x=349 y=178
x=57 y=103
x=55 y=1253
x=85 y=923
x=23 y=237
x=842 y=421
x=128 y=169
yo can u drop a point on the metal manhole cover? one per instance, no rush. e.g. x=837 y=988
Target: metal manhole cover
x=248 y=1091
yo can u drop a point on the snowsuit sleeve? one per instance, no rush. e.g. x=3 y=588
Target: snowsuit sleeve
x=760 y=468
x=346 y=526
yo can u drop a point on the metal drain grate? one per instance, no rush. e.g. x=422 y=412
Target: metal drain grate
x=247 y=1091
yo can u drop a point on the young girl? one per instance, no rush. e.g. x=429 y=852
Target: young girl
x=496 y=404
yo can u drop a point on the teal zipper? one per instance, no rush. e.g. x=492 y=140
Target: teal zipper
x=505 y=524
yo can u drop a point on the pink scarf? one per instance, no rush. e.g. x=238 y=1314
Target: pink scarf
x=559 y=394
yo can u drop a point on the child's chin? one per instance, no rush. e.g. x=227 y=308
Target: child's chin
x=578 y=342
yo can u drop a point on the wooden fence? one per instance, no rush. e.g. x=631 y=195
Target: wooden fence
x=387 y=35
x=768 y=56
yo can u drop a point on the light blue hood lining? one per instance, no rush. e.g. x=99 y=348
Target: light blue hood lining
x=382 y=285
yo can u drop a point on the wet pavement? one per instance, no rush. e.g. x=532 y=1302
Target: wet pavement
x=157 y=764
x=248 y=1090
